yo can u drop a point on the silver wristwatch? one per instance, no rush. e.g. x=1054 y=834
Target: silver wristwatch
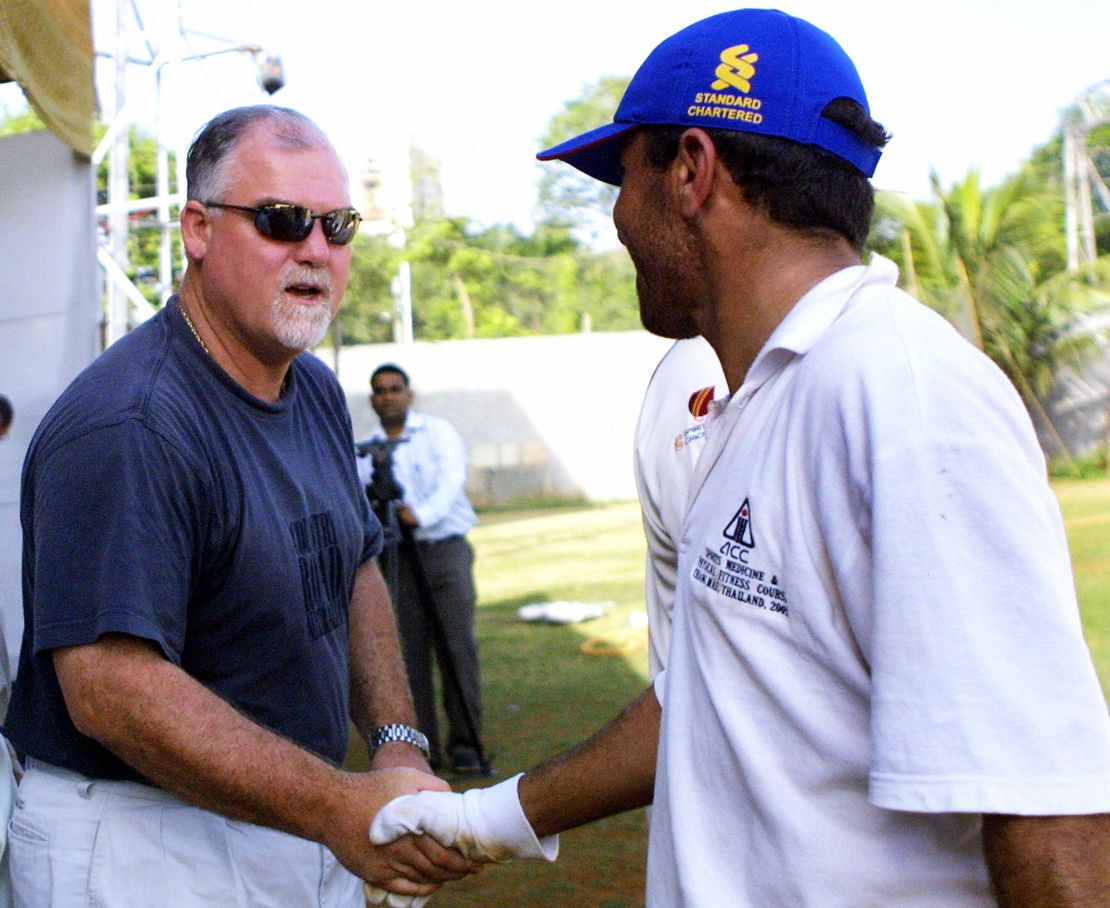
x=406 y=734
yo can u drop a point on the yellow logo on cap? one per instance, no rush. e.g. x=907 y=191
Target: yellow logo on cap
x=736 y=68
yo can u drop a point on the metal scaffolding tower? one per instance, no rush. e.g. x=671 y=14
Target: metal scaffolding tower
x=1083 y=179
x=136 y=46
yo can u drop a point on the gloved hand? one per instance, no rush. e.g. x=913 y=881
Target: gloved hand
x=485 y=824
x=376 y=896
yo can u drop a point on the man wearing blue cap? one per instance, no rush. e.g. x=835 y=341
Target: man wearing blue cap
x=878 y=691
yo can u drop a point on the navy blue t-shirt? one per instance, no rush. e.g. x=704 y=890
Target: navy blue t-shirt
x=162 y=500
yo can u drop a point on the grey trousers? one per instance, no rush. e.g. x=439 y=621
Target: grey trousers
x=449 y=566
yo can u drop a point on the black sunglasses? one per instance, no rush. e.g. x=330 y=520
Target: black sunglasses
x=292 y=223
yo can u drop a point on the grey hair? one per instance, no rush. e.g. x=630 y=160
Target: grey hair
x=215 y=144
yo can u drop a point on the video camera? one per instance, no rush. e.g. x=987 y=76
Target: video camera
x=383 y=489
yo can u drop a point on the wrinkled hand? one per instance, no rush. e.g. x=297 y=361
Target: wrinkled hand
x=409 y=866
x=484 y=824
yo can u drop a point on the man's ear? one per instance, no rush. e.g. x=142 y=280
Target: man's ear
x=696 y=170
x=196 y=229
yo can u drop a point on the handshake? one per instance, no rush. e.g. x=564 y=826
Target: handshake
x=484 y=824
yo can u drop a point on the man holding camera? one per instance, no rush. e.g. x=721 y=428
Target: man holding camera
x=431 y=571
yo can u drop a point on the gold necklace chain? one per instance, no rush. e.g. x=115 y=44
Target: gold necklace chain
x=193 y=328
x=204 y=346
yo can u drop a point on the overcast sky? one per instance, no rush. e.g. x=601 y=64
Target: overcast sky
x=960 y=83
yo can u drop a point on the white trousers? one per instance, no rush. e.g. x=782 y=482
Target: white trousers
x=7 y=804
x=76 y=842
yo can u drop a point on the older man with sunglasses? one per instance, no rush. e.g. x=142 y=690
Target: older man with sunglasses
x=204 y=613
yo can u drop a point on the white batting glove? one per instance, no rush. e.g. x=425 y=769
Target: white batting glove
x=484 y=824
x=376 y=896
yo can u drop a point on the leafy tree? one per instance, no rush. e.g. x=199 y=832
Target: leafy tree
x=992 y=261
x=567 y=196
x=367 y=313
x=494 y=282
x=1047 y=163
x=481 y=283
x=608 y=287
x=15 y=123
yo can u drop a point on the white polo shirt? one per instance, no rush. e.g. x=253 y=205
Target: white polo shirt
x=876 y=637
x=670 y=434
x=430 y=466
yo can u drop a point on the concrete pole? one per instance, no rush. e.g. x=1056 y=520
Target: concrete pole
x=1071 y=197
x=165 y=260
x=118 y=189
x=402 y=298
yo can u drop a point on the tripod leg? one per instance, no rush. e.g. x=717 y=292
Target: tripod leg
x=448 y=666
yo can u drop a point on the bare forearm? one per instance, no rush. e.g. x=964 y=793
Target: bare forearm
x=1049 y=862
x=187 y=740
x=379 y=684
x=612 y=772
x=121 y=692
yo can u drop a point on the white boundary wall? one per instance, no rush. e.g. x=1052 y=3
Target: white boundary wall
x=49 y=315
x=551 y=416
x=554 y=416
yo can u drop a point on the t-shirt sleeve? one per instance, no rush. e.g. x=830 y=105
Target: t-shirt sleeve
x=119 y=519
x=984 y=698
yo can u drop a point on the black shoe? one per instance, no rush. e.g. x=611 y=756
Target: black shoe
x=465 y=760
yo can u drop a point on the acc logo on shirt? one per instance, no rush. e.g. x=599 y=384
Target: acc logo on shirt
x=739 y=529
x=730 y=572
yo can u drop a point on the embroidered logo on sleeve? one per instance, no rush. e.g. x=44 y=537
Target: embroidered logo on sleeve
x=732 y=570
x=321 y=572
x=700 y=401
x=698 y=406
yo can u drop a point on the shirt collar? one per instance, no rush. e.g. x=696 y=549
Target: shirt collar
x=812 y=316
x=414 y=422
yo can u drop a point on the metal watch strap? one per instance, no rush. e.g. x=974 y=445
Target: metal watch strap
x=405 y=734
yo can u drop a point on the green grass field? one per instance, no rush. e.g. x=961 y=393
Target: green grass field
x=547 y=686
x=1086 y=508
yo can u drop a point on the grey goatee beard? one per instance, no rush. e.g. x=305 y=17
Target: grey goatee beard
x=298 y=326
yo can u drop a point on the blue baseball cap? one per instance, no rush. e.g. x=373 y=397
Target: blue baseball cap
x=752 y=70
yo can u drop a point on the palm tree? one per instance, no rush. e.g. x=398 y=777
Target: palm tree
x=992 y=262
